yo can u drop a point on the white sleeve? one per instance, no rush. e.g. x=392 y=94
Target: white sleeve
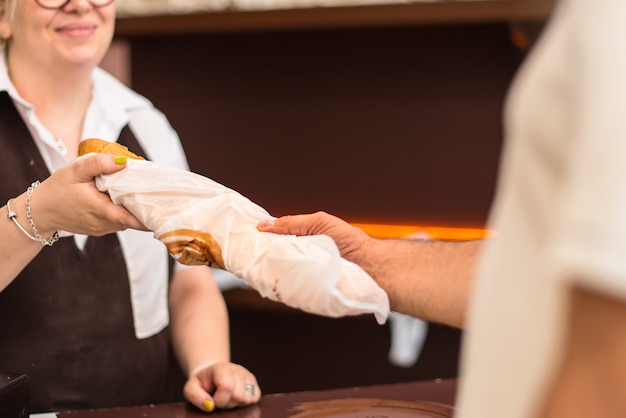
x=592 y=231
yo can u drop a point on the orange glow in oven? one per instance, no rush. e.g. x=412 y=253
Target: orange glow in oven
x=414 y=231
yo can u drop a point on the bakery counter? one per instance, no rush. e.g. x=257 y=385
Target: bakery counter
x=422 y=399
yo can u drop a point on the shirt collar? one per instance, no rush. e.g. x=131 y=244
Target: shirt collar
x=111 y=102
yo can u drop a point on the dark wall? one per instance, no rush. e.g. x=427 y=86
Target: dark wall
x=290 y=350
x=374 y=124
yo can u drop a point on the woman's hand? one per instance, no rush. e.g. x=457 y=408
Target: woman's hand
x=68 y=200
x=222 y=385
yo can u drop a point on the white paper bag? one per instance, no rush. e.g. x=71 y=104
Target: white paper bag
x=204 y=222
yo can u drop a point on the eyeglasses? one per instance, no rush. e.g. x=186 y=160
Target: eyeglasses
x=59 y=4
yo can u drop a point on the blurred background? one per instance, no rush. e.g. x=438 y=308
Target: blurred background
x=385 y=113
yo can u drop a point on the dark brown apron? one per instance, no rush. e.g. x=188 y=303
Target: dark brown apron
x=66 y=320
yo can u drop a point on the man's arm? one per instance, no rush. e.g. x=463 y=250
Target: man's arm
x=427 y=279
x=591 y=379
x=431 y=280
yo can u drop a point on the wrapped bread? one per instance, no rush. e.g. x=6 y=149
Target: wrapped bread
x=203 y=222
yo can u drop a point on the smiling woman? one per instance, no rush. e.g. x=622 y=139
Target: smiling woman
x=89 y=313
x=70 y=40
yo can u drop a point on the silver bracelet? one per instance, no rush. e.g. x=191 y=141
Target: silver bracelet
x=12 y=216
x=55 y=237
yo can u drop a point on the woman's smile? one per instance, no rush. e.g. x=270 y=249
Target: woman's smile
x=78 y=30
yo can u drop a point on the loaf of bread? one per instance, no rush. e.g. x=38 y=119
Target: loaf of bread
x=201 y=221
x=187 y=246
x=105 y=147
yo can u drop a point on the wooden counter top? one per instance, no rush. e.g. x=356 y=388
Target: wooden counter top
x=291 y=405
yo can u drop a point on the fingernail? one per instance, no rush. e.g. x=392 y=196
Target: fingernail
x=208 y=406
x=266 y=224
x=120 y=160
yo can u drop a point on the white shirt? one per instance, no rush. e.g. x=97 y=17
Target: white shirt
x=112 y=107
x=560 y=211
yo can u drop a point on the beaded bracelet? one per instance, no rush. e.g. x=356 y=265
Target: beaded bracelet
x=37 y=236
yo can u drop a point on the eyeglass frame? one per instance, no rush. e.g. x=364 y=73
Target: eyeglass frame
x=68 y=1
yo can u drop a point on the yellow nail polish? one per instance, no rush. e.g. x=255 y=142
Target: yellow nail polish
x=120 y=160
x=208 y=406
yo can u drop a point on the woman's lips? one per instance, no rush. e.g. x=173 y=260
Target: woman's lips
x=77 y=31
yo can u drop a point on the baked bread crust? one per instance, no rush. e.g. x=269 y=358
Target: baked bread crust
x=193 y=247
x=186 y=246
x=105 y=147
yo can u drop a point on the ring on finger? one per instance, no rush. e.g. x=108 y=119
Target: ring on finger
x=250 y=388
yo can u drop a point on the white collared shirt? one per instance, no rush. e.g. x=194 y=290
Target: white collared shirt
x=560 y=211
x=112 y=107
